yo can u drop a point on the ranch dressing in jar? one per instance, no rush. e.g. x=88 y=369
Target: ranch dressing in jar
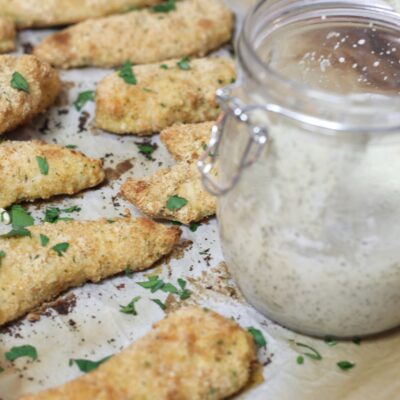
x=309 y=166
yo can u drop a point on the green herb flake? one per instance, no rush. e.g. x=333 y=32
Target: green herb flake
x=194 y=226
x=184 y=63
x=330 y=342
x=1 y=370
x=258 y=337
x=170 y=288
x=19 y=232
x=60 y=248
x=43 y=165
x=160 y=304
x=71 y=146
x=19 y=82
x=177 y=223
x=127 y=74
x=175 y=203
x=300 y=360
x=20 y=218
x=44 y=240
x=21 y=351
x=83 y=98
x=53 y=214
x=88 y=365
x=147 y=149
x=128 y=272
x=2 y=255
x=169 y=5
x=164 y=66
x=357 y=341
x=314 y=355
x=345 y=365
x=130 y=307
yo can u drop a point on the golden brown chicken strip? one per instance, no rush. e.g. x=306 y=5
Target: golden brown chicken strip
x=193 y=354
x=195 y=28
x=28 y=87
x=56 y=257
x=36 y=170
x=174 y=193
x=7 y=35
x=42 y=13
x=187 y=142
x=162 y=96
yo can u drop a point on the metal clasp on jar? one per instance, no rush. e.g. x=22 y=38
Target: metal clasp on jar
x=258 y=137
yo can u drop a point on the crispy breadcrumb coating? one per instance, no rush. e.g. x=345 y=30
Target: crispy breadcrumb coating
x=195 y=28
x=69 y=171
x=32 y=272
x=151 y=195
x=187 y=142
x=46 y=13
x=16 y=106
x=7 y=35
x=164 y=95
x=193 y=354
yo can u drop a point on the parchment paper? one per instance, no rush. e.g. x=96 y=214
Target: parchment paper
x=94 y=328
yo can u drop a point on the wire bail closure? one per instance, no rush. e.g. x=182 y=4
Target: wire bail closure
x=258 y=138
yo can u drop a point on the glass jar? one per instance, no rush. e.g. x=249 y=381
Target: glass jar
x=308 y=159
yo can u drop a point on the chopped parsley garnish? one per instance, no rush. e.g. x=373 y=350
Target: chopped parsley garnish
x=128 y=272
x=1 y=370
x=194 y=226
x=130 y=307
x=147 y=90
x=330 y=342
x=300 y=360
x=2 y=255
x=147 y=148
x=184 y=63
x=87 y=365
x=44 y=240
x=154 y=284
x=17 y=232
x=71 y=146
x=345 y=365
x=83 y=98
x=21 y=351
x=314 y=355
x=160 y=304
x=176 y=223
x=20 y=218
x=127 y=74
x=169 y=5
x=53 y=214
x=164 y=66
x=43 y=165
x=175 y=203
x=258 y=337
x=357 y=340
x=19 y=82
x=61 y=248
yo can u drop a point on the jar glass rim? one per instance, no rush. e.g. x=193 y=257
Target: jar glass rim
x=280 y=9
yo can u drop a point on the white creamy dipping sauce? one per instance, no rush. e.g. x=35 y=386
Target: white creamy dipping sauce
x=311 y=232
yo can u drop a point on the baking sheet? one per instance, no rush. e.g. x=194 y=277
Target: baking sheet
x=89 y=325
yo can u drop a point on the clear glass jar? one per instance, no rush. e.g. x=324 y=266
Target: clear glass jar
x=308 y=165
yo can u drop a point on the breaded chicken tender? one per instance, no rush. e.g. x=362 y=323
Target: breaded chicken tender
x=193 y=354
x=45 y=13
x=7 y=35
x=152 y=194
x=187 y=142
x=163 y=96
x=22 y=178
x=33 y=271
x=194 y=28
x=17 y=106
